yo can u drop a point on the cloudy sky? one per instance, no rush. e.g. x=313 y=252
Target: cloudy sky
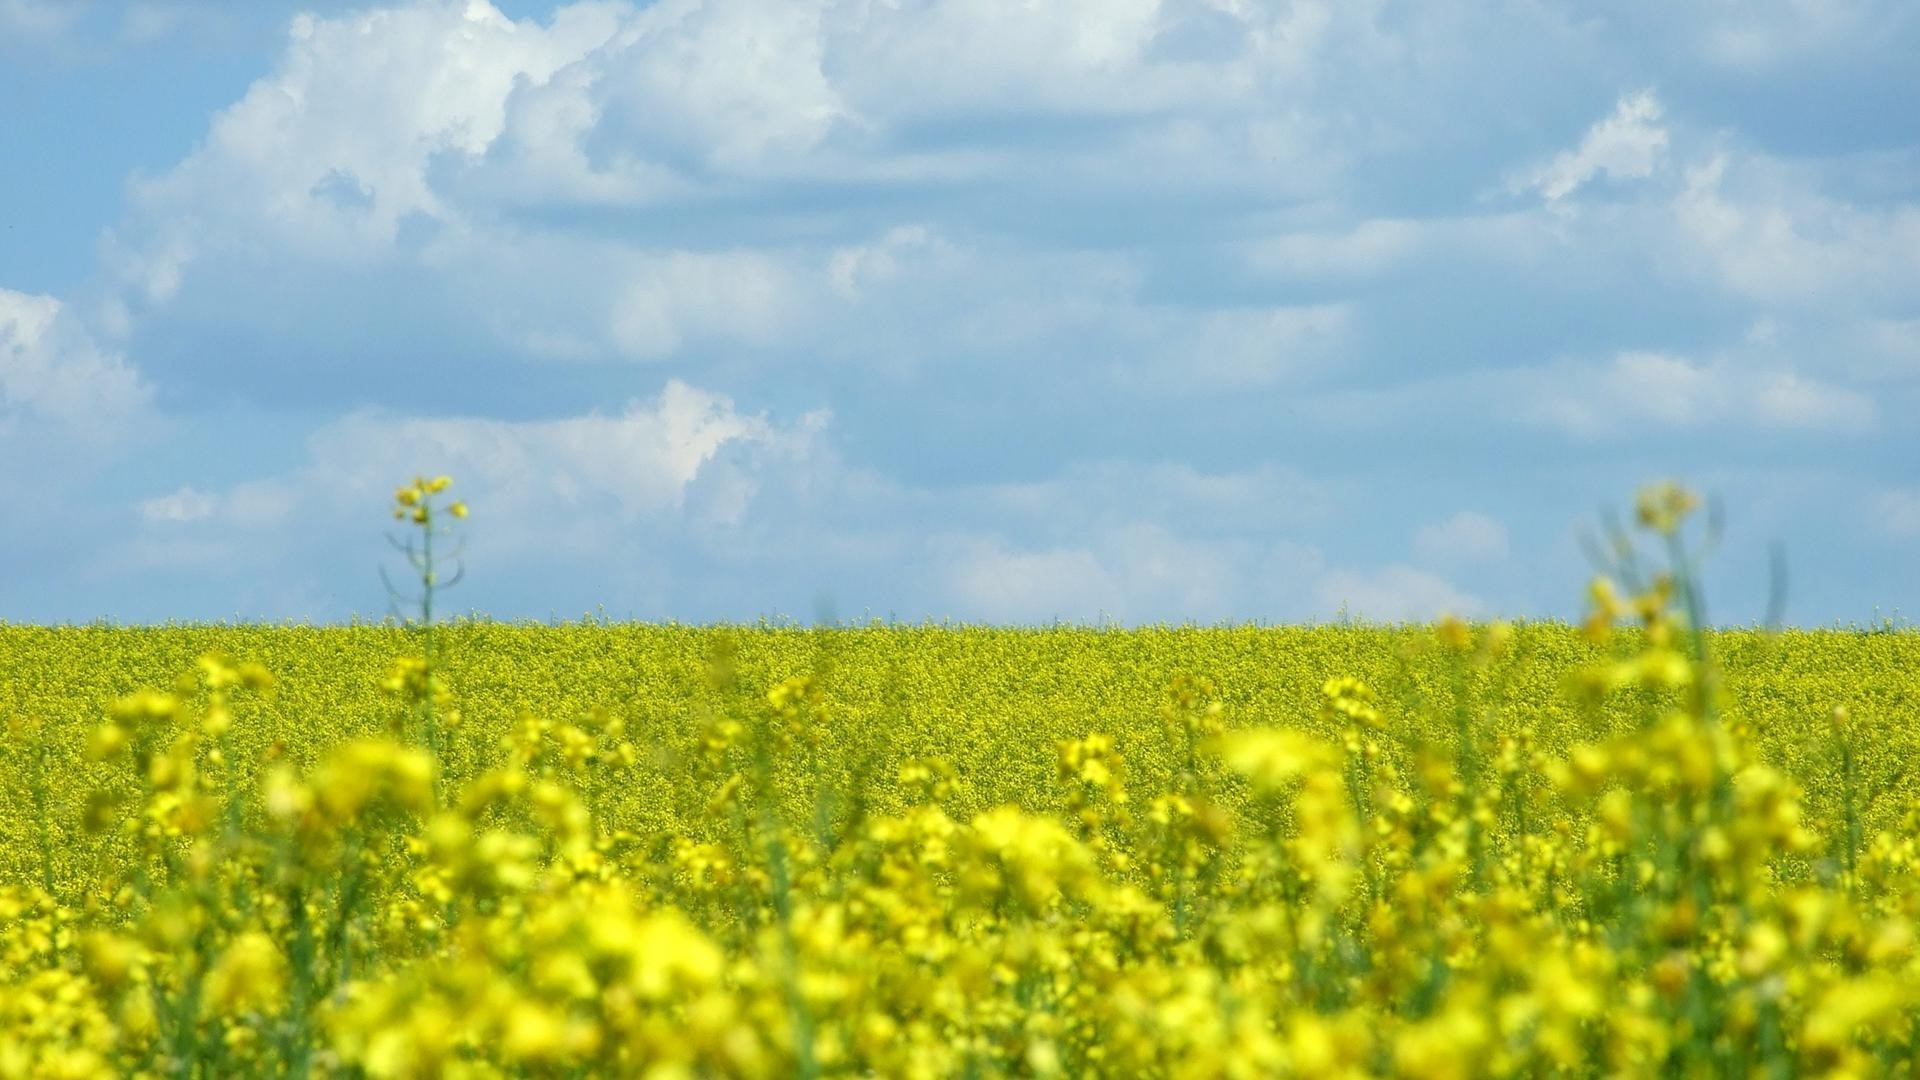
x=1000 y=310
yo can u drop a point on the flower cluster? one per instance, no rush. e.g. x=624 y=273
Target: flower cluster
x=414 y=502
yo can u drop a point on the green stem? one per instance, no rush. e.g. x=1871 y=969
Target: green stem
x=40 y=813
x=801 y=1018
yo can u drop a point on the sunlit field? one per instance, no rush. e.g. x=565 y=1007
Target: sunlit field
x=1624 y=847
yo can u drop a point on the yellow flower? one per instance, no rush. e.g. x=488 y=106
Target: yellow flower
x=1849 y=1007
x=106 y=742
x=1272 y=757
x=111 y=958
x=1661 y=507
x=248 y=975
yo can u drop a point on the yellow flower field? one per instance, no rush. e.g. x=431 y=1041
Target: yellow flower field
x=479 y=849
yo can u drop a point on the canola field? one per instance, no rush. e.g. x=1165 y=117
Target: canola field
x=1624 y=848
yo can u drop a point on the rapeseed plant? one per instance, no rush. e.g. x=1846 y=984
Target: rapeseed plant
x=1496 y=851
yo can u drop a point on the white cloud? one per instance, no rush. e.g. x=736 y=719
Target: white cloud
x=1467 y=536
x=1625 y=146
x=680 y=495
x=1801 y=235
x=1638 y=388
x=375 y=118
x=1395 y=593
x=405 y=140
x=427 y=114
x=737 y=83
x=855 y=269
x=541 y=156
x=739 y=295
x=327 y=157
x=51 y=367
x=924 y=57
x=579 y=499
x=664 y=460
x=1034 y=586
x=431 y=143
x=1037 y=199
x=1751 y=225
x=643 y=462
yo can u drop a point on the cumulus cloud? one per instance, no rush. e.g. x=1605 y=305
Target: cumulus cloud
x=681 y=495
x=1627 y=145
x=767 y=503
x=644 y=462
x=730 y=84
x=1168 y=222
x=429 y=131
x=429 y=140
x=408 y=110
x=328 y=157
x=53 y=369
x=1830 y=237
x=1078 y=55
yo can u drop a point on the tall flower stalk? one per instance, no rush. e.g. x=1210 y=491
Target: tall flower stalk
x=417 y=679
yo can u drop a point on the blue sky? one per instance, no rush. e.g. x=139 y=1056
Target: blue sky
x=1138 y=310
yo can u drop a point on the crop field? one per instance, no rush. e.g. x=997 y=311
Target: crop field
x=1627 y=847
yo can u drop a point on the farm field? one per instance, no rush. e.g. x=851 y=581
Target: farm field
x=1235 y=410
x=492 y=849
